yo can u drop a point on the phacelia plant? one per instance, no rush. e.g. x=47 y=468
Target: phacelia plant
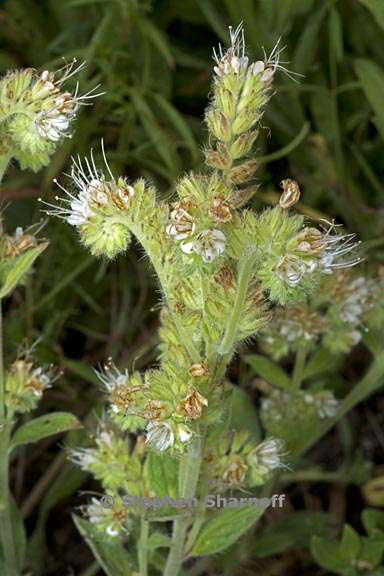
x=168 y=448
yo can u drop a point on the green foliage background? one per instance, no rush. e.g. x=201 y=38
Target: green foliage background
x=153 y=59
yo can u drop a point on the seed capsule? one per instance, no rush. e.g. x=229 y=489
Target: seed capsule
x=291 y=193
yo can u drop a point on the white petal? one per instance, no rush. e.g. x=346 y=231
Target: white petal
x=188 y=247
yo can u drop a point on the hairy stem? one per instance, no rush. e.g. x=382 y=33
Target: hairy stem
x=298 y=371
x=245 y=273
x=226 y=346
x=143 y=547
x=6 y=532
x=189 y=471
x=4 y=161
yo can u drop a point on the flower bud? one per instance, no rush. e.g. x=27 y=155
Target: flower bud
x=244 y=172
x=199 y=371
x=219 y=125
x=243 y=144
x=218 y=158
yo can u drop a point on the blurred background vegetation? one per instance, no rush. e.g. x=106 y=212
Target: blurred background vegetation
x=153 y=58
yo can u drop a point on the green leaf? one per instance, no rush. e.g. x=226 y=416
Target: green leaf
x=371 y=77
x=67 y=482
x=81 y=369
x=155 y=132
x=215 y=19
x=327 y=554
x=336 y=35
x=111 y=555
x=225 y=528
x=320 y=362
x=371 y=551
x=373 y=520
x=350 y=543
x=178 y=122
x=376 y=7
x=157 y=38
x=268 y=370
x=243 y=413
x=44 y=426
x=162 y=471
x=158 y=540
x=293 y=532
x=14 y=272
x=308 y=41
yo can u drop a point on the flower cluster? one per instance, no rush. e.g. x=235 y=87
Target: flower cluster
x=25 y=384
x=239 y=463
x=111 y=460
x=113 y=521
x=161 y=403
x=37 y=112
x=293 y=415
x=336 y=313
x=299 y=255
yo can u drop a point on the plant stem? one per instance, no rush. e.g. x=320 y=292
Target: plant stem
x=298 y=371
x=4 y=161
x=6 y=531
x=245 y=272
x=143 y=547
x=189 y=470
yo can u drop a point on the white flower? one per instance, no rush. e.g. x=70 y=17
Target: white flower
x=336 y=248
x=111 y=376
x=52 y=125
x=58 y=108
x=233 y=59
x=291 y=269
x=83 y=457
x=208 y=243
x=93 y=192
x=160 y=435
x=184 y=434
x=268 y=455
x=326 y=404
x=181 y=225
x=96 y=512
x=107 y=518
x=356 y=302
